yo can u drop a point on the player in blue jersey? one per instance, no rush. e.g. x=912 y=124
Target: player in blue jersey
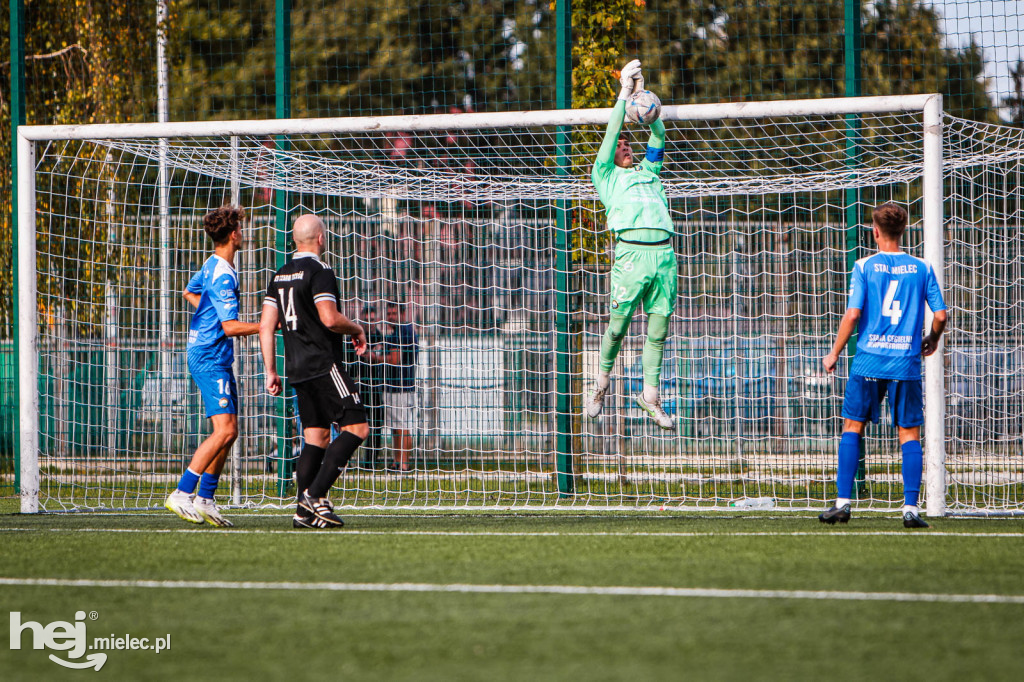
x=213 y=292
x=888 y=292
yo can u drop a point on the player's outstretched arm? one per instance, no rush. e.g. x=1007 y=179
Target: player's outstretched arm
x=192 y=298
x=606 y=154
x=267 y=329
x=657 y=139
x=930 y=343
x=654 y=159
x=846 y=329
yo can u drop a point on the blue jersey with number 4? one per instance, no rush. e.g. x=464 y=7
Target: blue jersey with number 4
x=217 y=285
x=890 y=289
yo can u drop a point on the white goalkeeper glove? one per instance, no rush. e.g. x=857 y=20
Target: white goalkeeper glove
x=627 y=77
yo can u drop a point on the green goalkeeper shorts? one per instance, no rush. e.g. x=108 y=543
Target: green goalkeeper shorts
x=644 y=274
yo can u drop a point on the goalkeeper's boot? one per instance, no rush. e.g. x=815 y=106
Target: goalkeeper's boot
x=207 y=508
x=913 y=520
x=593 y=405
x=322 y=510
x=654 y=410
x=835 y=514
x=181 y=504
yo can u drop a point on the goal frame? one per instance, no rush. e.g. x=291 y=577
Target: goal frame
x=27 y=338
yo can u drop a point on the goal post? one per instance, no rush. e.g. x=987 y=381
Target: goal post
x=483 y=192
x=28 y=335
x=934 y=253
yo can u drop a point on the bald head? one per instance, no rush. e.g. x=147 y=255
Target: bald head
x=306 y=231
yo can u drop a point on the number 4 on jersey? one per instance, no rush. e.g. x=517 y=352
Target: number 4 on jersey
x=890 y=306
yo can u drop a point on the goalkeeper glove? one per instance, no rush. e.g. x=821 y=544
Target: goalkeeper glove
x=627 y=77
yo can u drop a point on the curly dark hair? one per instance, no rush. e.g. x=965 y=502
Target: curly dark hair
x=220 y=223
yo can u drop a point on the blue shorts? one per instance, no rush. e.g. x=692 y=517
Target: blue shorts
x=864 y=396
x=217 y=386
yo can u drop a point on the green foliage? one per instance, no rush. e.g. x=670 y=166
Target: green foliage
x=361 y=57
x=86 y=62
x=903 y=55
x=601 y=30
x=726 y=50
x=1015 y=100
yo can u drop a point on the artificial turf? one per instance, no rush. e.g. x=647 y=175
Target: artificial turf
x=284 y=632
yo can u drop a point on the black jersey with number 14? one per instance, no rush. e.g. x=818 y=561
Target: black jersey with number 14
x=310 y=348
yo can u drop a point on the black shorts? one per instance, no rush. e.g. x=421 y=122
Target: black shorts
x=329 y=399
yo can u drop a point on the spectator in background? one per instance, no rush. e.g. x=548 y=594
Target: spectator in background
x=368 y=372
x=400 y=350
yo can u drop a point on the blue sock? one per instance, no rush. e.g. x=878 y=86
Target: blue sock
x=913 y=459
x=188 y=481
x=849 y=454
x=208 y=485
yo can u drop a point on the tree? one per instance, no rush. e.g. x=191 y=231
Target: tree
x=364 y=57
x=1015 y=102
x=727 y=50
x=83 y=65
x=903 y=55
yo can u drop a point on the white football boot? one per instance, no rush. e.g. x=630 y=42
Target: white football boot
x=208 y=510
x=653 y=409
x=181 y=504
x=593 y=405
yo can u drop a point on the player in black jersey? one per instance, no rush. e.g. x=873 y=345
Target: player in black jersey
x=302 y=300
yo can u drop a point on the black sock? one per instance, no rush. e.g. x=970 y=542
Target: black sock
x=310 y=459
x=339 y=452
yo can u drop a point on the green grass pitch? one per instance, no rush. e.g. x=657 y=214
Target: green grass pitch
x=761 y=596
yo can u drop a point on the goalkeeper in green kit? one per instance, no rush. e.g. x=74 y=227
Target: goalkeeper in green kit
x=645 y=264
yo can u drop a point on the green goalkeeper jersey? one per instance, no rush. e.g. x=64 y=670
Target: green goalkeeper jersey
x=633 y=197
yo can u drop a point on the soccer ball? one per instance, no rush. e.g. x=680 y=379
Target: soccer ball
x=643 y=107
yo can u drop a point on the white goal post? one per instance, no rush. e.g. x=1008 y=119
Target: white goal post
x=357 y=167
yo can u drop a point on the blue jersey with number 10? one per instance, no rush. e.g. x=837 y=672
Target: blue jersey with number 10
x=217 y=285
x=890 y=289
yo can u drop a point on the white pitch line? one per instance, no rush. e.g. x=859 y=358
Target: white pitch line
x=532 y=534
x=691 y=592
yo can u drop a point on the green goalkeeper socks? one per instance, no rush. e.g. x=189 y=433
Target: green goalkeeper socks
x=611 y=342
x=654 y=349
x=654 y=345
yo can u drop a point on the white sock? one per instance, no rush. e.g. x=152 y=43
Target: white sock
x=912 y=509
x=603 y=380
x=651 y=394
x=842 y=501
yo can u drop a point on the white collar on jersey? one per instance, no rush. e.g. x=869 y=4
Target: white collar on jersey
x=225 y=262
x=304 y=254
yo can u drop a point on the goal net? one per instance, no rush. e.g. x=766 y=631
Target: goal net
x=489 y=232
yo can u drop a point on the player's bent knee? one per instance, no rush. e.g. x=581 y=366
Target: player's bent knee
x=618 y=325
x=853 y=426
x=225 y=428
x=657 y=328
x=908 y=434
x=358 y=430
